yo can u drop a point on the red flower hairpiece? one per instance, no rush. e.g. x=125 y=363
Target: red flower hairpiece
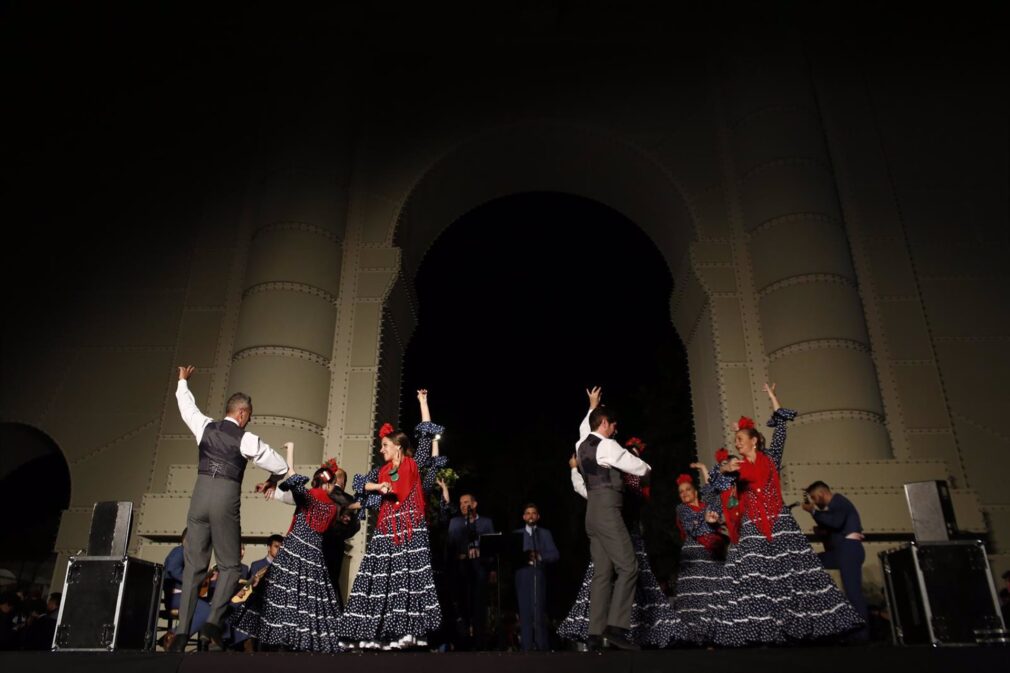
x=637 y=444
x=386 y=429
x=685 y=479
x=745 y=423
x=721 y=456
x=332 y=466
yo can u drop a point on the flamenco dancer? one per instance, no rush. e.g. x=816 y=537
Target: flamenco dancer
x=393 y=603
x=630 y=609
x=781 y=592
x=297 y=606
x=703 y=587
x=653 y=622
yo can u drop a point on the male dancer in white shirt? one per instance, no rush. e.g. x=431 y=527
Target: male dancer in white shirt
x=214 y=509
x=600 y=462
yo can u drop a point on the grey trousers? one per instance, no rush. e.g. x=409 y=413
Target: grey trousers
x=610 y=597
x=213 y=521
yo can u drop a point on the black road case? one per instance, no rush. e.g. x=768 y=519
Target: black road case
x=941 y=593
x=109 y=603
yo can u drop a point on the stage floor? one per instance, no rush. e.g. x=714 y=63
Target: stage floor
x=859 y=659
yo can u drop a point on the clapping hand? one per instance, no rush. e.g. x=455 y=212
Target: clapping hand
x=385 y=487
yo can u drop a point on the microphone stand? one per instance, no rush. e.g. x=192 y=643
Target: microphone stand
x=536 y=597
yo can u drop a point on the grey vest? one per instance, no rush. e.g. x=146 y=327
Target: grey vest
x=220 y=455
x=595 y=475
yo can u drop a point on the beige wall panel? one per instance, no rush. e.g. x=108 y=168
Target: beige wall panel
x=294 y=256
x=290 y=319
x=831 y=439
x=787 y=189
x=687 y=304
x=826 y=379
x=375 y=284
x=165 y=514
x=199 y=385
x=709 y=252
x=938 y=445
x=308 y=445
x=377 y=216
x=966 y=306
x=96 y=408
x=809 y=312
x=705 y=398
x=861 y=474
x=155 y=552
x=174 y=454
x=729 y=326
x=365 y=341
x=922 y=402
x=304 y=195
x=283 y=386
x=982 y=452
x=905 y=327
x=128 y=319
x=356 y=456
x=118 y=472
x=711 y=218
x=705 y=390
x=181 y=478
x=360 y=398
x=379 y=258
x=737 y=387
x=786 y=133
x=892 y=269
x=198 y=338
x=75 y=525
x=797 y=247
x=718 y=279
x=974 y=376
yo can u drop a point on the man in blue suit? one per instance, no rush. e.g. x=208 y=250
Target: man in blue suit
x=470 y=572
x=274 y=544
x=175 y=564
x=531 y=582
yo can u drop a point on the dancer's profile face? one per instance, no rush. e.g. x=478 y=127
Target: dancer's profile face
x=388 y=449
x=745 y=444
x=687 y=493
x=607 y=429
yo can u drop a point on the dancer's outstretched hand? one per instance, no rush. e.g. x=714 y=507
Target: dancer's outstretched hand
x=731 y=465
x=186 y=372
x=594 y=396
x=422 y=395
x=267 y=488
x=769 y=389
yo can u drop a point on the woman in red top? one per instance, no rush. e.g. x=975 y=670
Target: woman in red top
x=393 y=603
x=780 y=591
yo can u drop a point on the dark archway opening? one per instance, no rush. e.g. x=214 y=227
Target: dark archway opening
x=524 y=302
x=35 y=481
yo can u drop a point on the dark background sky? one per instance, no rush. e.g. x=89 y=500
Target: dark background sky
x=524 y=303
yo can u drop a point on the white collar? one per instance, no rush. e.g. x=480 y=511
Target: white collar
x=229 y=418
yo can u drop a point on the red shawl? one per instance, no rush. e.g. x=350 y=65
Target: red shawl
x=760 y=492
x=405 y=503
x=712 y=542
x=319 y=510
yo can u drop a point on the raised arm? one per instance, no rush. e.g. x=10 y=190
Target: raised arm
x=611 y=454
x=594 y=396
x=425 y=434
x=422 y=398
x=780 y=416
x=194 y=419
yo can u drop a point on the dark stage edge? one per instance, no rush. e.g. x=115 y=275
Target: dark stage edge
x=857 y=659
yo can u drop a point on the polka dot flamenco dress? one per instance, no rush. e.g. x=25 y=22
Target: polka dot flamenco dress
x=294 y=605
x=653 y=622
x=393 y=603
x=781 y=592
x=703 y=585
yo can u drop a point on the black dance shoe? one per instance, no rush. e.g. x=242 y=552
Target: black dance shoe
x=594 y=644
x=210 y=637
x=619 y=638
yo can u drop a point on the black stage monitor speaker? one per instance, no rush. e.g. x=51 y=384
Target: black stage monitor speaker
x=108 y=604
x=932 y=511
x=942 y=593
x=110 y=529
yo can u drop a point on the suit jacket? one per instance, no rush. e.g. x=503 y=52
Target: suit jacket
x=461 y=534
x=544 y=544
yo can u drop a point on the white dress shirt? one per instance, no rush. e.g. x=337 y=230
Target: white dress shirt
x=608 y=454
x=252 y=447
